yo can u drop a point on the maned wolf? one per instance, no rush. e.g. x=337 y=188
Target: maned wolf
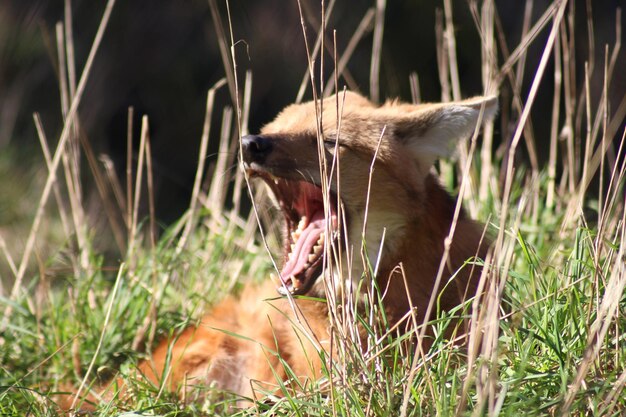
x=380 y=199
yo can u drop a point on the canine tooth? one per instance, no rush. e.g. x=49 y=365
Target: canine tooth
x=302 y=223
x=311 y=257
x=293 y=247
x=317 y=248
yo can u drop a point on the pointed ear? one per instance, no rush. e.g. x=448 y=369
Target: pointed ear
x=433 y=131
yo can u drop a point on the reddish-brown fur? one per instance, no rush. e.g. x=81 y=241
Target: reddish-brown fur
x=406 y=204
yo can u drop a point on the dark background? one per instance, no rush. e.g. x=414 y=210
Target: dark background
x=162 y=56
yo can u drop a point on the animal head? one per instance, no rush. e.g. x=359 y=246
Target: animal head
x=375 y=161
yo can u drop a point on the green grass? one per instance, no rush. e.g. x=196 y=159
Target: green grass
x=548 y=338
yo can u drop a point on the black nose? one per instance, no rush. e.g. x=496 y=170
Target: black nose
x=255 y=148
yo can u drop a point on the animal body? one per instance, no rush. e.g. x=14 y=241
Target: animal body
x=351 y=178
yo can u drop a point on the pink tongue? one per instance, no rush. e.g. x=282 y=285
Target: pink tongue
x=304 y=247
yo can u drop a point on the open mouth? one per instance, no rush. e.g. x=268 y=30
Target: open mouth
x=302 y=204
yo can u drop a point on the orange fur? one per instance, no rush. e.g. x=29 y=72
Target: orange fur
x=407 y=206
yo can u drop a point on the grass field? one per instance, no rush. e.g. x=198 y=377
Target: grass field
x=547 y=339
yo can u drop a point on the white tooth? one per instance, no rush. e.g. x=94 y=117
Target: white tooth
x=302 y=223
x=293 y=247
x=295 y=235
x=321 y=239
x=275 y=181
x=317 y=249
x=311 y=257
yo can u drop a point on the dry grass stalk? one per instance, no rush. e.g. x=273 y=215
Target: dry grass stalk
x=41 y=134
x=554 y=126
x=70 y=157
x=202 y=155
x=450 y=39
x=150 y=186
x=312 y=56
x=219 y=181
x=414 y=82
x=363 y=28
x=129 y=170
x=377 y=49
x=133 y=238
x=116 y=187
x=489 y=68
x=229 y=67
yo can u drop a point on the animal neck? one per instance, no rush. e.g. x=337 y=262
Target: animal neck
x=421 y=252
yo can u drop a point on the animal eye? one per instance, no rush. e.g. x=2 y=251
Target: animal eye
x=330 y=142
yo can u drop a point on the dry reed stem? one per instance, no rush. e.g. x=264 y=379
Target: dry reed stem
x=321 y=83
x=414 y=82
x=219 y=181
x=73 y=144
x=116 y=187
x=450 y=39
x=150 y=186
x=569 y=95
x=442 y=57
x=43 y=141
x=62 y=69
x=202 y=156
x=361 y=30
x=554 y=125
x=239 y=175
x=71 y=166
x=528 y=11
x=30 y=242
x=488 y=70
x=377 y=49
x=10 y=261
x=316 y=49
x=229 y=66
x=129 y=171
x=145 y=131
x=69 y=37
